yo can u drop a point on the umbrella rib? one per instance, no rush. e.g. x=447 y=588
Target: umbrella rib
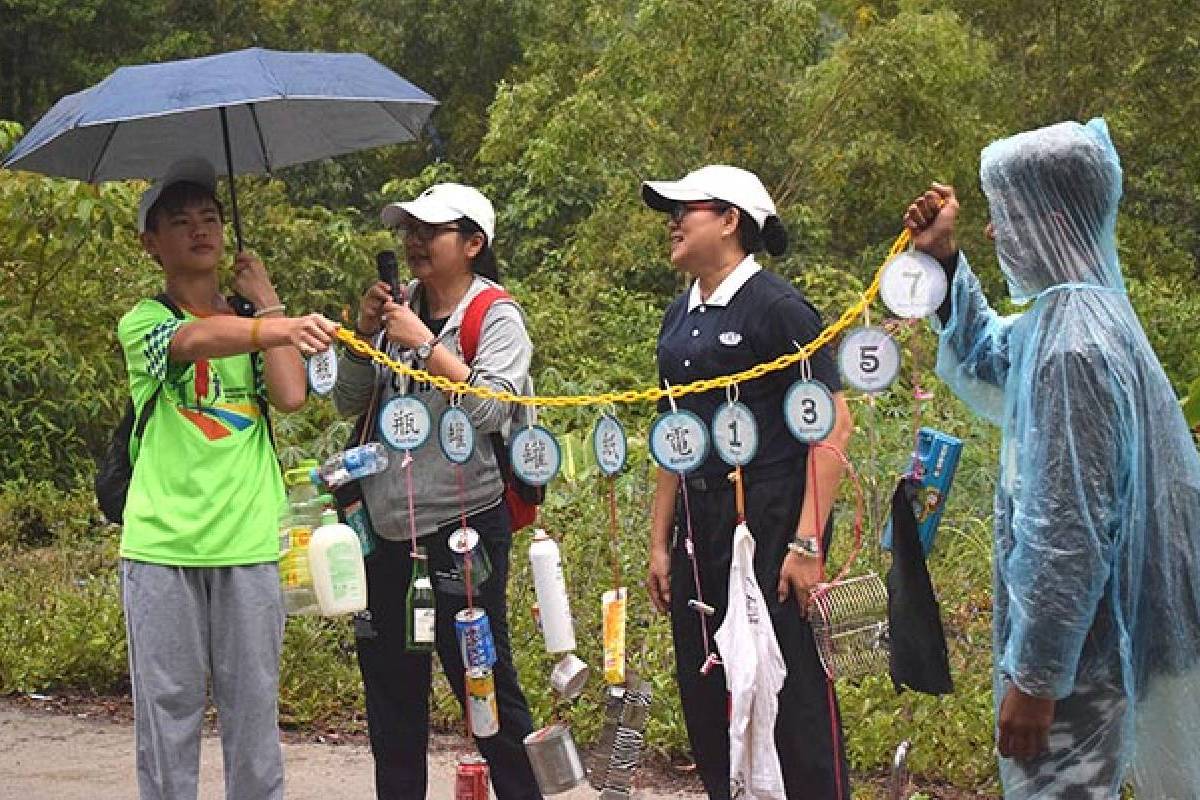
x=262 y=143
x=414 y=134
x=103 y=151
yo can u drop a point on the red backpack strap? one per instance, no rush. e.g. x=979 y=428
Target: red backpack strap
x=472 y=322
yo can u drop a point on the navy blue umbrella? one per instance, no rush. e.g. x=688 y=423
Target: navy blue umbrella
x=252 y=111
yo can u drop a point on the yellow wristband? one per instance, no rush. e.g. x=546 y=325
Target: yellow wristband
x=255 y=344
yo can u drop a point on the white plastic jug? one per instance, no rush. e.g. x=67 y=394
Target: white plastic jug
x=335 y=560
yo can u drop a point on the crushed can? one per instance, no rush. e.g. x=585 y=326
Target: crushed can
x=471 y=779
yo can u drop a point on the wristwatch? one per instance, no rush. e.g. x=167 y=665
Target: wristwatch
x=424 y=351
x=805 y=546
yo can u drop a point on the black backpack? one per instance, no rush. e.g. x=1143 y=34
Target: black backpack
x=114 y=469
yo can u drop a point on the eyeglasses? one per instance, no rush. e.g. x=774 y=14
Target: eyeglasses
x=681 y=210
x=423 y=231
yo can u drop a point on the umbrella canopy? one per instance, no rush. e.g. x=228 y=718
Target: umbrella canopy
x=249 y=111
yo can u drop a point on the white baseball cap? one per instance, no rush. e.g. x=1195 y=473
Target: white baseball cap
x=445 y=202
x=732 y=185
x=193 y=170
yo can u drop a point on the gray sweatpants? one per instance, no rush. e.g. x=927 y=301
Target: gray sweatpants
x=186 y=625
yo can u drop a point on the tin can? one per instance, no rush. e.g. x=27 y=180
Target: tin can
x=554 y=758
x=482 y=711
x=569 y=676
x=475 y=638
x=465 y=548
x=471 y=779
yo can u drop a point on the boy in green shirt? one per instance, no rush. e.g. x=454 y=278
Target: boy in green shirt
x=199 y=549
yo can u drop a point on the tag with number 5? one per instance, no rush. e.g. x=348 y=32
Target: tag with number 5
x=869 y=359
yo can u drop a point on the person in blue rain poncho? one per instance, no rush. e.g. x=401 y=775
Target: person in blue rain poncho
x=1097 y=508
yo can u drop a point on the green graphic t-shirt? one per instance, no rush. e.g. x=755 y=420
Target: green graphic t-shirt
x=206 y=489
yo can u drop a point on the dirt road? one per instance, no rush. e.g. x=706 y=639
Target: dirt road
x=53 y=757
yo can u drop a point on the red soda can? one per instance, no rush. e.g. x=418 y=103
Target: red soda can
x=471 y=780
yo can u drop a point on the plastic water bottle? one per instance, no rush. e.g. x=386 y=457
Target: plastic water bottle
x=551 y=587
x=336 y=564
x=350 y=465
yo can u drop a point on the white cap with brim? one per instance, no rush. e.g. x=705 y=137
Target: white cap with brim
x=192 y=170
x=732 y=185
x=445 y=202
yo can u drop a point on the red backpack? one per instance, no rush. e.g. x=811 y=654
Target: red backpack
x=521 y=498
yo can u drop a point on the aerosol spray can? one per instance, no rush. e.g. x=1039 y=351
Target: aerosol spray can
x=551 y=588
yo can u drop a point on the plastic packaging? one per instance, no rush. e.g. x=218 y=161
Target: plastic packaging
x=302 y=517
x=335 y=560
x=613 y=604
x=349 y=465
x=558 y=630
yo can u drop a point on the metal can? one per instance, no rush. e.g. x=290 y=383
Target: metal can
x=471 y=779
x=554 y=758
x=475 y=638
x=482 y=712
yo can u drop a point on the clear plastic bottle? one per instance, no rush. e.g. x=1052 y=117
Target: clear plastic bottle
x=295 y=577
x=348 y=465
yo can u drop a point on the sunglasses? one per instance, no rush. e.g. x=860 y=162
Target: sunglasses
x=423 y=231
x=681 y=210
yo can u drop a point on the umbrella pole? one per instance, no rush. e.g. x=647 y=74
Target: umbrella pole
x=233 y=206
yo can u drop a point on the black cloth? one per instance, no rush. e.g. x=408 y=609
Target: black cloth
x=766 y=318
x=918 y=657
x=808 y=712
x=397 y=682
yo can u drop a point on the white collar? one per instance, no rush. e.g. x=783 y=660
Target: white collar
x=727 y=288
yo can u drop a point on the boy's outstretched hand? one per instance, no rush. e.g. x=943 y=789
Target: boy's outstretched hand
x=931 y=219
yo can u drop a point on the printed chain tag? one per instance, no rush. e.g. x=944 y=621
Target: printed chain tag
x=610 y=445
x=869 y=359
x=535 y=455
x=322 y=372
x=679 y=441
x=913 y=285
x=735 y=434
x=808 y=411
x=404 y=423
x=456 y=435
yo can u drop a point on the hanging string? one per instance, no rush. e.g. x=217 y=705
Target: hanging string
x=406 y=464
x=614 y=533
x=467 y=556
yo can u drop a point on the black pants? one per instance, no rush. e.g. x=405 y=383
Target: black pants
x=808 y=715
x=397 y=682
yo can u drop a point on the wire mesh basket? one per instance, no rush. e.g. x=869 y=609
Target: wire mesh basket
x=850 y=625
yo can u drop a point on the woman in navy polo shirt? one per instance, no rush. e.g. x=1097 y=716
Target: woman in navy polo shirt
x=733 y=316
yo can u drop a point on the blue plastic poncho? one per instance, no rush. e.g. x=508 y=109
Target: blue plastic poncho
x=1097 y=515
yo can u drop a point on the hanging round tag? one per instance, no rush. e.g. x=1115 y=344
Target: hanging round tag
x=869 y=359
x=913 y=285
x=735 y=434
x=456 y=435
x=322 y=372
x=610 y=445
x=679 y=441
x=808 y=410
x=535 y=455
x=404 y=423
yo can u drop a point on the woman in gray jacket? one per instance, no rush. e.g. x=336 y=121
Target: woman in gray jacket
x=447 y=233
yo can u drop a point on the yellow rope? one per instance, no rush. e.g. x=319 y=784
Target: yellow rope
x=633 y=396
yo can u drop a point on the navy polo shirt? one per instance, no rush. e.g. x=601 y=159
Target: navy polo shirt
x=759 y=323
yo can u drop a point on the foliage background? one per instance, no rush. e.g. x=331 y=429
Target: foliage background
x=557 y=109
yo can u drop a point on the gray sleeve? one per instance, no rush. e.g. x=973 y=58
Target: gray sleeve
x=501 y=363
x=355 y=380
